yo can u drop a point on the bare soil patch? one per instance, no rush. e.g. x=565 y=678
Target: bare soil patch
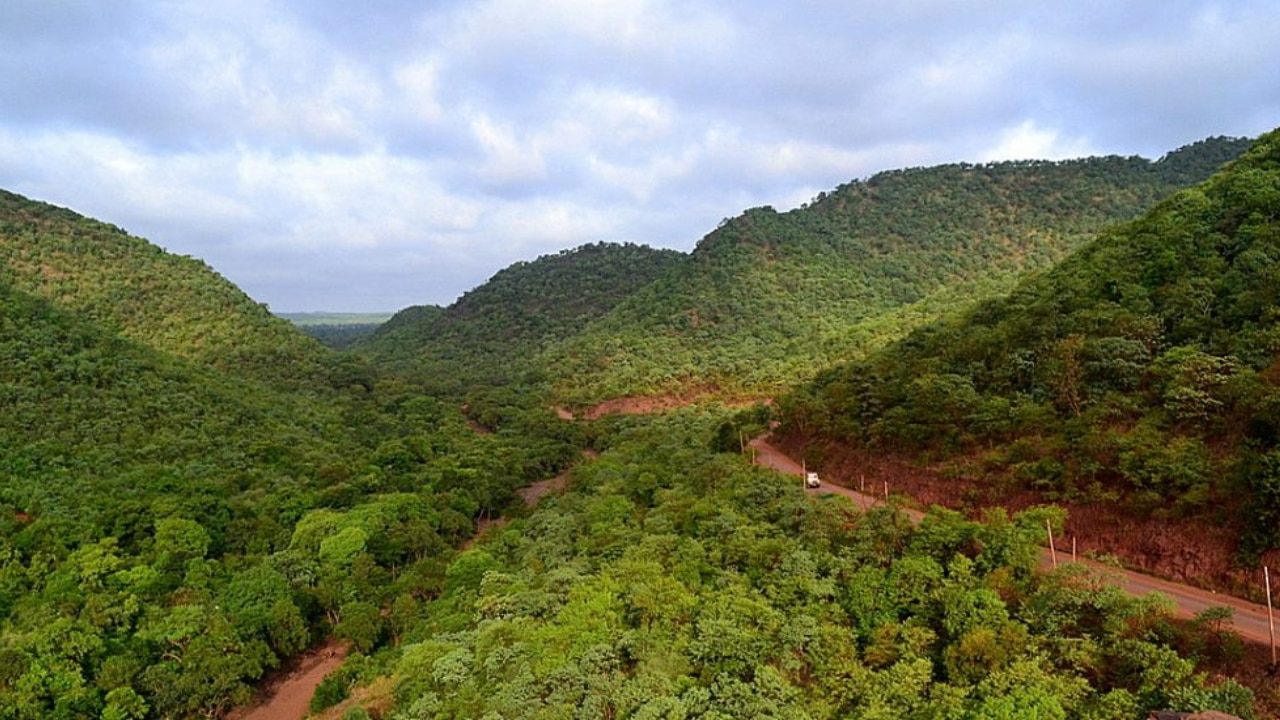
x=477 y=428
x=1189 y=551
x=287 y=693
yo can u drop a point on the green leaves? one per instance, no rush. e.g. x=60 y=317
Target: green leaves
x=1111 y=374
x=734 y=597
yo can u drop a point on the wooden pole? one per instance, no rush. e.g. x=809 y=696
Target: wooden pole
x=862 y=484
x=1053 y=554
x=1271 y=621
x=886 y=491
x=1073 y=548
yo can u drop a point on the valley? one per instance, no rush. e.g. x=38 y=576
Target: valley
x=538 y=502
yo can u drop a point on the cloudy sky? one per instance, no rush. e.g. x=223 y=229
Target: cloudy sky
x=365 y=156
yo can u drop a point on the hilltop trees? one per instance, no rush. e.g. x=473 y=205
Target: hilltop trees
x=771 y=298
x=1144 y=362
x=176 y=305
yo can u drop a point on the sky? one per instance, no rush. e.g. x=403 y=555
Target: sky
x=367 y=156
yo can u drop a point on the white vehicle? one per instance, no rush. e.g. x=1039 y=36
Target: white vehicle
x=811 y=480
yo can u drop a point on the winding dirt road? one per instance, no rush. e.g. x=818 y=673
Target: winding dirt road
x=1248 y=619
x=289 y=697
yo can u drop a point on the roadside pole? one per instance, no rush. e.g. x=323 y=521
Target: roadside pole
x=1271 y=621
x=1053 y=553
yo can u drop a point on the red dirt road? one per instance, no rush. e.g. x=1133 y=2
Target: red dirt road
x=1248 y=619
x=290 y=696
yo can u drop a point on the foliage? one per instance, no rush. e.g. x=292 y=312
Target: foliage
x=126 y=285
x=192 y=491
x=1143 y=364
x=492 y=332
x=768 y=298
x=170 y=530
x=674 y=583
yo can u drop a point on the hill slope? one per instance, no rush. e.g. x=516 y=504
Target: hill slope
x=488 y=335
x=175 y=304
x=768 y=298
x=170 y=531
x=1145 y=367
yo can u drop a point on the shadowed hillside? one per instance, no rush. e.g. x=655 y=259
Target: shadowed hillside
x=489 y=335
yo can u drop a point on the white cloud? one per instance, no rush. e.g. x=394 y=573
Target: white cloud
x=414 y=149
x=511 y=160
x=418 y=85
x=1028 y=141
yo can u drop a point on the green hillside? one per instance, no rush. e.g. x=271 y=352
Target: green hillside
x=768 y=299
x=90 y=415
x=174 y=304
x=488 y=336
x=193 y=492
x=1142 y=369
x=175 y=521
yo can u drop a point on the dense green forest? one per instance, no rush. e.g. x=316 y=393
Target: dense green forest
x=1142 y=369
x=672 y=583
x=490 y=336
x=171 y=532
x=192 y=495
x=768 y=299
x=175 y=304
x=193 y=491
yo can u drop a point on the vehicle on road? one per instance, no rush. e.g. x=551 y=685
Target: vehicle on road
x=811 y=480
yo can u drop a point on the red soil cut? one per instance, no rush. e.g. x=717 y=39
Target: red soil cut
x=288 y=696
x=1189 y=551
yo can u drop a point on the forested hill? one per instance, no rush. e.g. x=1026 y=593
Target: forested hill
x=1145 y=367
x=492 y=330
x=769 y=298
x=170 y=532
x=174 y=304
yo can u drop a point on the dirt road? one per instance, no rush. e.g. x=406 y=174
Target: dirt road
x=1248 y=619
x=290 y=696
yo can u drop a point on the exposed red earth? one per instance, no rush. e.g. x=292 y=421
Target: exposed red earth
x=288 y=696
x=1248 y=619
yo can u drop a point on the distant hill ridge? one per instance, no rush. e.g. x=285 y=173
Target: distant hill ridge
x=493 y=330
x=767 y=299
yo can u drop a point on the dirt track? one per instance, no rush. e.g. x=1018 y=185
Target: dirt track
x=1249 y=620
x=289 y=697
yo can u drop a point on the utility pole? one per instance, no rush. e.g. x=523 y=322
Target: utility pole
x=1271 y=622
x=1053 y=554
